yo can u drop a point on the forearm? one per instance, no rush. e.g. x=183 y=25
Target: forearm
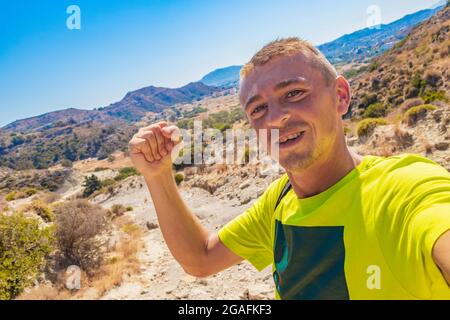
x=181 y=229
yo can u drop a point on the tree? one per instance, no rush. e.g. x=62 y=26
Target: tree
x=91 y=184
x=24 y=247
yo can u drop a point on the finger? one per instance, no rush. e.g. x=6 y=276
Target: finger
x=147 y=151
x=161 y=142
x=160 y=124
x=140 y=146
x=151 y=139
x=172 y=132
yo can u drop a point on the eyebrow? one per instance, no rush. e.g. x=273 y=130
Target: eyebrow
x=252 y=100
x=287 y=83
x=279 y=86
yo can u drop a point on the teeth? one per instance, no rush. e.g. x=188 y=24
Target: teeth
x=290 y=137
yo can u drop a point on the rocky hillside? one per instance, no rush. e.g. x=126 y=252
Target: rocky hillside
x=364 y=44
x=138 y=103
x=417 y=67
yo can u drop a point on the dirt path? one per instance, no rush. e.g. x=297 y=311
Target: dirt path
x=162 y=278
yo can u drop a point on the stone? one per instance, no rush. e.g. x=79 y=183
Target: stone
x=442 y=146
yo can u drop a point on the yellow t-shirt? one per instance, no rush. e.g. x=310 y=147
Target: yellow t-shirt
x=370 y=236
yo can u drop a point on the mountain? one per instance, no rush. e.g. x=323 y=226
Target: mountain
x=367 y=43
x=355 y=47
x=132 y=107
x=225 y=77
x=155 y=99
x=49 y=119
x=415 y=70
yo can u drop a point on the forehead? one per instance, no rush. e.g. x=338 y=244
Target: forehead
x=266 y=77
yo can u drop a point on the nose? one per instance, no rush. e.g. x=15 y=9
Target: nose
x=277 y=115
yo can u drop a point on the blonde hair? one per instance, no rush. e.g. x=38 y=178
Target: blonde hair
x=289 y=47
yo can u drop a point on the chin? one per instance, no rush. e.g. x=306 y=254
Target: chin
x=298 y=161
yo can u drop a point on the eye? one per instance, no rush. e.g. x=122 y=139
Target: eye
x=294 y=93
x=258 y=109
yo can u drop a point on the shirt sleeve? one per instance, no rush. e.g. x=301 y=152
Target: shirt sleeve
x=418 y=213
x=249 y=234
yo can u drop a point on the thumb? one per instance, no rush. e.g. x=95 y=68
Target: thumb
x=172 y=132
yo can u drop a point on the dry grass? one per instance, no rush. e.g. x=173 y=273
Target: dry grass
x=45 y=292
x=123 y=261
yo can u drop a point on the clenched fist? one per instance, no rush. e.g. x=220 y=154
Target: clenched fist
x=152 y=148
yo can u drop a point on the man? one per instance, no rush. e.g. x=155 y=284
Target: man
x=337 y=225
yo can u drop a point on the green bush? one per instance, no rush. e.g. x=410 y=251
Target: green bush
x=430 y=96
x=117 y=210
x=23 y=251
x=125 y=173
x=91 y=184
x=185 y=124
x=179 y=177
x=11 y=196
x=374 y=66
x=418 y=83
x=108 y=182
x=41 y=209
x=375 y=110
x=415 y=113
x=25 y=193
x=366 y=126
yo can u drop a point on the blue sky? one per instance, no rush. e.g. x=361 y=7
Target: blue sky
x=126 y=45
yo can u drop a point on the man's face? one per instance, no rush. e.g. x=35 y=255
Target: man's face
x=291 y=95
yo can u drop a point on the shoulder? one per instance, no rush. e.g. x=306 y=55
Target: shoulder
x=409 y=169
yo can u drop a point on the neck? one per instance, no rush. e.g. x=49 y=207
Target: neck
x=324 y=173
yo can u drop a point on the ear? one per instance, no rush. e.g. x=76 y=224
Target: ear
x=343 y=94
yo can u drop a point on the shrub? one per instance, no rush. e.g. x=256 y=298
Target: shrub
x=11 y=196
x=129 y=208
x=117 y=210
x=42 y=210
x=418 y=82
x=179 y=177
x=23 y=251
x=366 y=126
x=91 y=184
x=432 y=78
x=418 y=112
x=408 y=104
x=98 y=169
x=125 y=173
x=375 y=110
x=108 y=182
x=430 y=96
x=367 y=100
x=78 y=223
x=66 y=163
x=49 y=197
x=374 y=66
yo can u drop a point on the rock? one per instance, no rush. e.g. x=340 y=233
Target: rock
x=442 y=146
x=246 y=200
x=352 y=141
x=151 y=225
x=244 y=185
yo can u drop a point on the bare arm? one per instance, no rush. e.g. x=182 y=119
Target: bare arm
x=199 y=252
x=441 y=255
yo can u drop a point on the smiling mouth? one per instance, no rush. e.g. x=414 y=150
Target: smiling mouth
x=291 y=139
